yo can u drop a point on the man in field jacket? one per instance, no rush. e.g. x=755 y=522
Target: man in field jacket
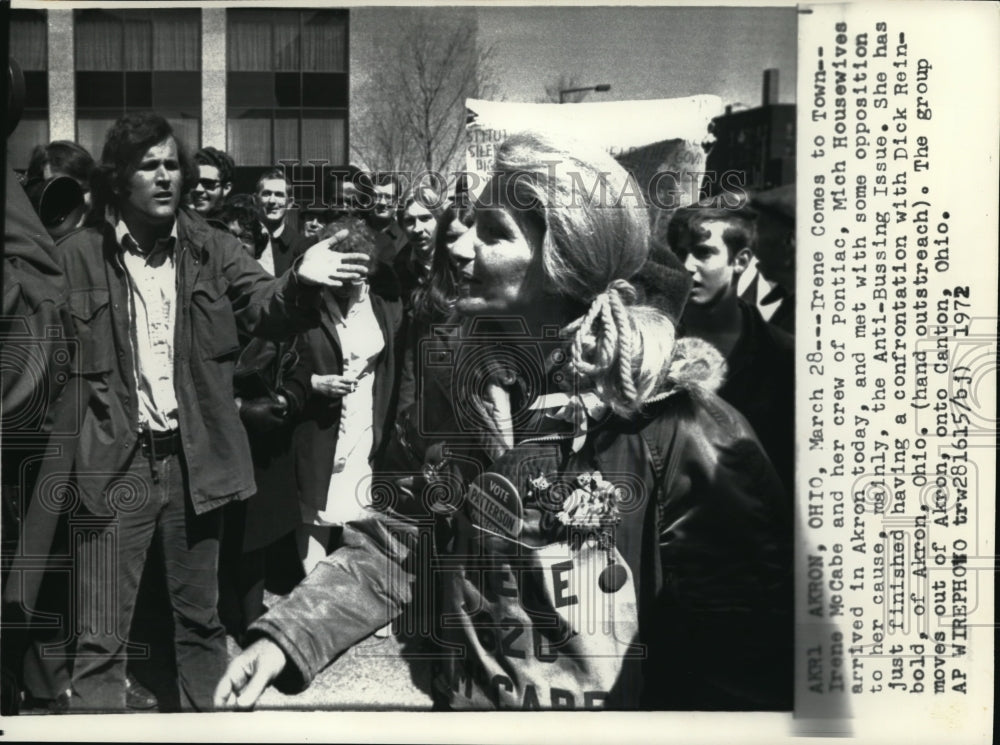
x=219 y=286
x=156 y=297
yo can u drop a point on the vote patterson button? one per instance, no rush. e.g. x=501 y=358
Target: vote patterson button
x=495 y=505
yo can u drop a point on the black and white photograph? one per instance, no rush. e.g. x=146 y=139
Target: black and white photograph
x=590 y=458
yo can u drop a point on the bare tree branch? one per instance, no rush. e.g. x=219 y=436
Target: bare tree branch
x=415 y=117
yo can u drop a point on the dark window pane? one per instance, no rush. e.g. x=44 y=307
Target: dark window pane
x=176 y=90
x=139 y=90
x=286 y=89
x=100 y=89
x=250 y=89
x=245 y=177
x=250 y=113
x=36 y=90
x=325 y=89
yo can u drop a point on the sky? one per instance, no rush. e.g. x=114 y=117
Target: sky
x=643 y=52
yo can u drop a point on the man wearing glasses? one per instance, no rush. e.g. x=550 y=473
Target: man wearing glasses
x=215 y=181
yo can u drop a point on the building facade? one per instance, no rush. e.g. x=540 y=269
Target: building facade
x=264 y=84
x=277 y=84
x=760 y=141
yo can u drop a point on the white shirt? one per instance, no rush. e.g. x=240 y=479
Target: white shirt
x=362 y=342
x=152 y=282
x=266 y=259
x=764 y=287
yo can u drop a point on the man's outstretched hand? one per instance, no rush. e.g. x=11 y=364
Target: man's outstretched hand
x=250 y=672
x=322 y=264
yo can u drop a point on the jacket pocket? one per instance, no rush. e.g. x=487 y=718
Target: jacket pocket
x=94 y=335
x=213 y=323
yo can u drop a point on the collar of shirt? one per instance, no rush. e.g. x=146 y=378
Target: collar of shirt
x=746 y=277
x=277 y=233
x=130 y=244
x=360 y=297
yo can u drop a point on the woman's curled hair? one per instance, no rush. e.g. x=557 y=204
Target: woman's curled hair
x=596 y=237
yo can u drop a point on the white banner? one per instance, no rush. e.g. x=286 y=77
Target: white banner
x=647 y=137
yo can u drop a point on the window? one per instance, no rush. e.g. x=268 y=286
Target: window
x=133 y=60
x=286 y=87
x=29 y=46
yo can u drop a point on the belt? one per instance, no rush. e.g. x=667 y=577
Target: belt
x=159 y=445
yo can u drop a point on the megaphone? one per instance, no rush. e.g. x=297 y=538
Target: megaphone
x=59 y=203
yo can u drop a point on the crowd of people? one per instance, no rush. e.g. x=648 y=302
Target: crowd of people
x=500 y=416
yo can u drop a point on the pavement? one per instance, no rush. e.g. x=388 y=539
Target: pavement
x=390 y=673
x=377 y=674
x=382 y=674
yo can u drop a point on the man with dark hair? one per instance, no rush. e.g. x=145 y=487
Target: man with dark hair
x=157 y=298
x=49 y=179
x=371 y=196
x=716 y=245
x=61 y=158
x=215 y=181
x=417 y=216
x=241 y=217
x=285 y=243
x=390 y=238
x=314 y=219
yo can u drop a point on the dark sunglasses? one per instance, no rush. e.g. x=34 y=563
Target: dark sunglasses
x=209 y=184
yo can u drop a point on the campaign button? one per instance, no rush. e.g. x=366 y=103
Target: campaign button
x=495 y=504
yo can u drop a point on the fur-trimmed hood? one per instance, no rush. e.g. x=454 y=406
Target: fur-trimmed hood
x=696 y=364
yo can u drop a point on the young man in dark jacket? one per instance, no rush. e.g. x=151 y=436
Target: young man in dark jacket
x=716 y=245
x=157 y=297
x=215 y=181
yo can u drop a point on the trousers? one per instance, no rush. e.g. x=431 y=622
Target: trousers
x=112 y=554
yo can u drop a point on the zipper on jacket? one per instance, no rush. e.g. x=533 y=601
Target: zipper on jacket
x=546 y=438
